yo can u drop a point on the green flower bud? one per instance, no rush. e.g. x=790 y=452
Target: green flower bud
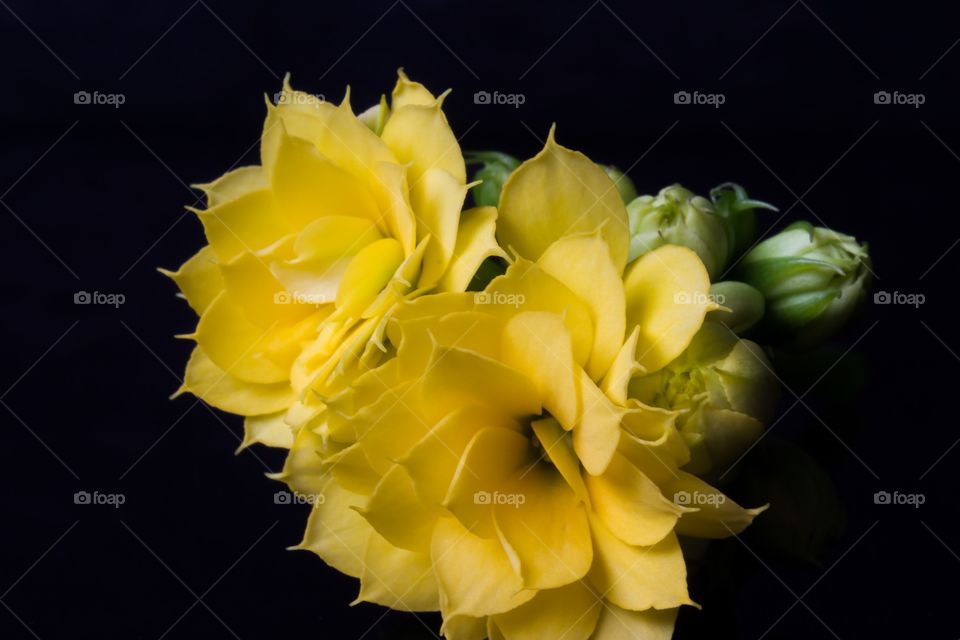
x=813 y=279
x=726 y=391
x=743 y=306
x=677 y=216
x=496 y=168
x=624 y=184
x=731 y=203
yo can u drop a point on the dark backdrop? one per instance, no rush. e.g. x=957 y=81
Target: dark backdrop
x=93 y=198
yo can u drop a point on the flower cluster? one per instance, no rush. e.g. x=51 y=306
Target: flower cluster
x=510 y=409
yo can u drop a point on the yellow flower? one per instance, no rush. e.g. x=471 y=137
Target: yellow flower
x=308 y=251
x=495 y=469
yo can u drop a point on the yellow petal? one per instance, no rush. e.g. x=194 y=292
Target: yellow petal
x=234 y=184
x=336 y=532
x=269 y=429
x=621 y=624
x=199 y=279
x=475 y=243
x=367 y=274
x=543 y=528
x=493 y=456
x=302 y=470
x=214 y=386
x=392 y=194
x=638 y=578
x=630 y=504
x=308 y=186
x=407 y=92
x=247 y=223
x=583 y=264
x=556 y=193
x=397 y=513
x=464 y=628
x=658 y=459
x=717 y=517
x=570 y=613
x=474 y=574
x=437 y=197
x=558 y=449
x=397 y=578
x=616 y=382
x=537 y=344
x=596 y=436
x=667 y=297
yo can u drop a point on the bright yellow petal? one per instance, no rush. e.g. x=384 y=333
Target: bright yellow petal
x=397 y=513
x=621 y=624
x=570 y=613
x=270 y=430
x=638 y=578
x=558 y=449
x=667 y=297
x=583 y=264
x=407 y=92
x=475 y=243
x=543 y=528
x=199 y=279
x=597 y=434
x=474 y=574
x=437 y=198
x=336 y=532
x=537 y=344
x=247 y=223
x=397 y=578
x=616 y=382
x=630 y=504
x=367 y=274
x=556 y=193
x=234 y=184
x=214 y=386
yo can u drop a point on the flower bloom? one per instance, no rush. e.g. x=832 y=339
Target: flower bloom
x=495 y=468
x=309 y=251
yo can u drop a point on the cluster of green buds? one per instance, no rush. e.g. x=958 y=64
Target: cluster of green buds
x=813 y=280
x=495 y=168
x=725 y=390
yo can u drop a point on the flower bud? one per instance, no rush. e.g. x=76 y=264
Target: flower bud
x=726 y=391
x=813 y=279
x=624 y=184
x=496 y=168
x=731 y=203
x=677 y=216
x=742 y=305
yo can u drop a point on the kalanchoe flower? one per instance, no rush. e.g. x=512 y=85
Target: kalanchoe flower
x=731 y=203
x=813 y=278
x=497 y=167
x=628 y=192
x=742 y=305
x=727 y=390
x=678 y=216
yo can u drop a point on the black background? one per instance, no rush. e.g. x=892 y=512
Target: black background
x=93 y=201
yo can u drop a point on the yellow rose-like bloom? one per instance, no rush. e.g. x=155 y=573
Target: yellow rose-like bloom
x=309 y=251
x=495 y=468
